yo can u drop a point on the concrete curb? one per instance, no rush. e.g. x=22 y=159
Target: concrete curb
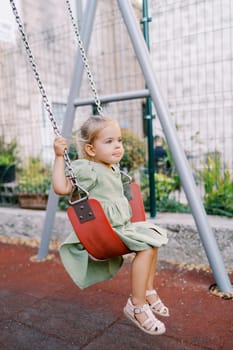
x=184 y=241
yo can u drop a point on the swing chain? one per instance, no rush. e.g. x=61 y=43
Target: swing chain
x=45 y=99
x=85 y=60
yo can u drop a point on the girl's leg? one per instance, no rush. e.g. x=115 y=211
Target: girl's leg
x=137 y=308
x=152 y=297
x=153 y=267
x=140 y=274
x=150 y=285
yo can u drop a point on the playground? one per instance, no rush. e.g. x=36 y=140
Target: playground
x=41 y=305
x=42 y=308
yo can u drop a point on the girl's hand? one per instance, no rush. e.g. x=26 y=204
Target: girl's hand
x=60 y=145
x=61 y=184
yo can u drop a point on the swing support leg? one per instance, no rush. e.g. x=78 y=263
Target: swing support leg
x=68 y=123
x=182 y=165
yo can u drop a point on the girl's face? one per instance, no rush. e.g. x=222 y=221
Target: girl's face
x=107 y=148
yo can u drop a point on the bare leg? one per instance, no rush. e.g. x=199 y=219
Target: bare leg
x=140 y=274
x=152 y=298
x=150 y=284
x=137 y=309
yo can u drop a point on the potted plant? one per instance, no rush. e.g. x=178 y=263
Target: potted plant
x=8 y=157
x=34 y=181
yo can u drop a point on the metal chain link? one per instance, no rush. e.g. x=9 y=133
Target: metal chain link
x=85 y=60
x=44 y=96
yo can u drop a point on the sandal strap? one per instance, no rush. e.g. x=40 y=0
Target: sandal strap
x=143 y=308
x=149 y=322
x=138 y=309
x=158 y=306
x=151 y=292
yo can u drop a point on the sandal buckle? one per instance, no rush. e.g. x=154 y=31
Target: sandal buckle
x=138 y=310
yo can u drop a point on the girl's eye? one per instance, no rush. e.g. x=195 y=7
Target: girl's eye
x=109 y=141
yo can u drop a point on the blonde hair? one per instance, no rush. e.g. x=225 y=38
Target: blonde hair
x=89 y=131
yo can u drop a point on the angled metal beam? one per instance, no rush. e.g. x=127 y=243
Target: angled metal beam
x=182 y=165
x=68 y=123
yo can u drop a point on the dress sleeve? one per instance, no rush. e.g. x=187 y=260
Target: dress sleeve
x=85 y=173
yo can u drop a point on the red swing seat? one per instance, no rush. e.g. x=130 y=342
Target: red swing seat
x=136 y=203
x=93 y=229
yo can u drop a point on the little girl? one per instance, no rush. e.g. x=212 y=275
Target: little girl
x=97 y=170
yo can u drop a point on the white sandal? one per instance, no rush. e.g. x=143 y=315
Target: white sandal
x=158 y=306
x=151 y=325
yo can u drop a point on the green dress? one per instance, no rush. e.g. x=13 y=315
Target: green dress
x=106 y=185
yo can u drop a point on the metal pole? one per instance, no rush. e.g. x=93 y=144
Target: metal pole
x=182 y=165
x=121 y=96
x=149 y=117
x=67 y=124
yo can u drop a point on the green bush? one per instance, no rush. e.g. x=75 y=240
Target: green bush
x=8 y=151
x=164 y=188
x=135 y=151
x=35 y=177
x=218 y=186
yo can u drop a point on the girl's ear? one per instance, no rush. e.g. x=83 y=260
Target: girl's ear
x=90 y=150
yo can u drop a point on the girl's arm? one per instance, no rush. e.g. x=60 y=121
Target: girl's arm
x=61 y=184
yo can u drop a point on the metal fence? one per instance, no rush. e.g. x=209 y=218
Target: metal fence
x=192 y=52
